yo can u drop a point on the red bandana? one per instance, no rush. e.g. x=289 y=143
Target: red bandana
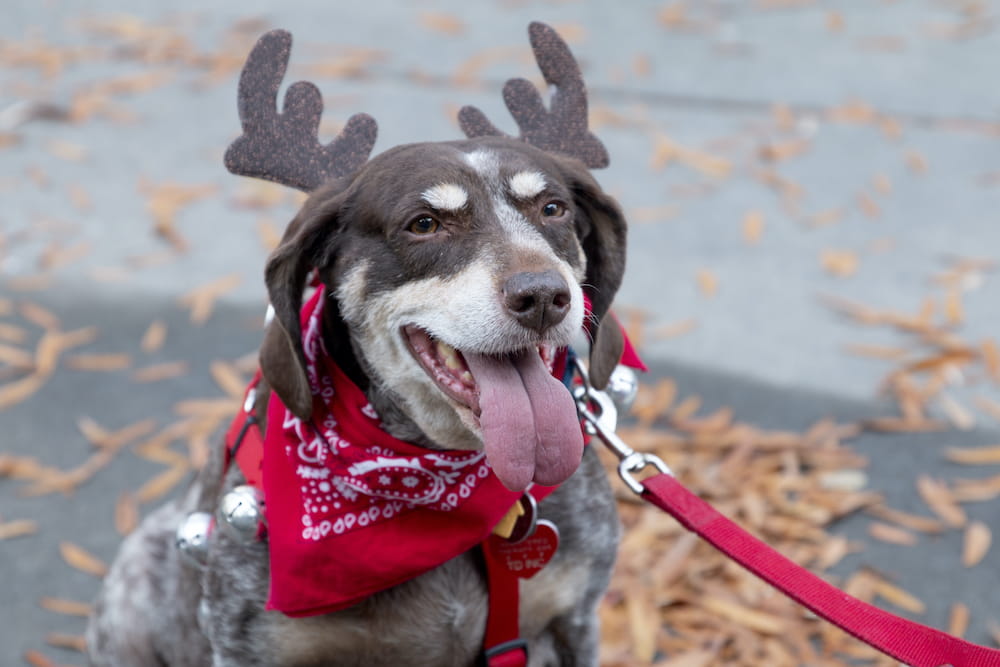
x=333 y=483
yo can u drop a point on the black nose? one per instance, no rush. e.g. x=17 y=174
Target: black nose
x=538 y=300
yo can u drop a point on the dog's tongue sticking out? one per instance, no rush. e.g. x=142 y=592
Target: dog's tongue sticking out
x=530 y=428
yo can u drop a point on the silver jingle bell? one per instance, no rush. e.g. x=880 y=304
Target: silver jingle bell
x=193 y=535
x=623 y=386
x=241 y=513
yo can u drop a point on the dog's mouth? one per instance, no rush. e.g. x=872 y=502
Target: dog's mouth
x=528 y=420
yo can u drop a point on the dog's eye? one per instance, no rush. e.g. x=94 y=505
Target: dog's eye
x=553 y=209
x=424 y=225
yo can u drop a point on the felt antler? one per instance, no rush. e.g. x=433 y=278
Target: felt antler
x=283 y=146
x=563 y=129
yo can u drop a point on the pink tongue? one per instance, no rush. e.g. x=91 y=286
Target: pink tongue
x=529 y=421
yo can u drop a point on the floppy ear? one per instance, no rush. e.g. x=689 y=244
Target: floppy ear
x=306 y=245
x=602 y=231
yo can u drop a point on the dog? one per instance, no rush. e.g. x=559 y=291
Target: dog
x=451 y=277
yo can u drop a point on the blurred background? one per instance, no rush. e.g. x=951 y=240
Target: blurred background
x=812 y=189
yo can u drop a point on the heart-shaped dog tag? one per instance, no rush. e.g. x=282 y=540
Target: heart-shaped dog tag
x=526 y=558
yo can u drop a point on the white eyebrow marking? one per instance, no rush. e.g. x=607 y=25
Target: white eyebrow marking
x=526 y=184
x=446 y=196
x=484 y=162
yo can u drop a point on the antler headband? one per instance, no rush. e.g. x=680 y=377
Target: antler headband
x=283 y=146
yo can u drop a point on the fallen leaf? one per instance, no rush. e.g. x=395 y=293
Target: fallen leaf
x=72 y=642
x=891 y=534
x=154 y=337
x=941 y=501
x=976 y=543
x=958 y=619
x=163 y=371
x=17 y=528
x=67 y=607
x=80 y=559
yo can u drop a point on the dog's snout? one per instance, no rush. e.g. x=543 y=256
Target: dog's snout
x=538 y=300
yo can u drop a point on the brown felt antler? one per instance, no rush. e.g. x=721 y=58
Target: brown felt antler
x=563 y=129
x=283 y=146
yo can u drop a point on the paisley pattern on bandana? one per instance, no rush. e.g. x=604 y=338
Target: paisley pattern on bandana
x=345 y=484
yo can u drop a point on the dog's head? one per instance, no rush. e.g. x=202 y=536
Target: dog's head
x=455 y=270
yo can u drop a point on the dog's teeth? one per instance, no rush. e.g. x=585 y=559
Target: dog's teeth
x=447 y=353
x=467 y=378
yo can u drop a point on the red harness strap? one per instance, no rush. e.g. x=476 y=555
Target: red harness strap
x=502 y=645
x=909 y=642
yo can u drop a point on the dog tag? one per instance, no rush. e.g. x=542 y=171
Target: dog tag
x=526 y=558
x=527 y=520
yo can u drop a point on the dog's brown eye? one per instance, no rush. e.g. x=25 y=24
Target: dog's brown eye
x=553 y=209
x=424 y=225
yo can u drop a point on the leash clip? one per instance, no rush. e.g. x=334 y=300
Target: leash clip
x=600 y=418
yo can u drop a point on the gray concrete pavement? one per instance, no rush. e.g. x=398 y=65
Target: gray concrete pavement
x=883 y=168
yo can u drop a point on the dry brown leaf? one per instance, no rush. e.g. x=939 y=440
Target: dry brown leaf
x=17 y=528
x=154 y=337
x=666 y=150
x=699 y=657
x=201 y=300
x=80 y=559
x=220 y=408
x=80 y=198
x=162 y=484
x=39 y=315
x=71 y=642
x=753 y=227
x=835 y=21
x=977 y=490
x=758 y=621
x=163 y=371
x=686 y=408
x=958 y=619
x=882 y=184
x=674 y=330
x=912 y=521
x=853 y=112
x=12 y=333
x=165 y=200
x=447 y=24
x=468 y=71
x=66 y=150
x=941 y=501
x=976 y=543
x=779 y=151
x=895 y=595
x=643 y=621
x=891 y=534
x=126 y=514
x=878 y=351
x=868 y=206
x=36 y=659
x=916 y=161
x=67 y=607
x=974 y=455
x=840 y=263
x=708 y=282
x=16 y=357
x=959 y=416
x=228 y=379
x=99 y=362
x=18 y=391
x=269 y=234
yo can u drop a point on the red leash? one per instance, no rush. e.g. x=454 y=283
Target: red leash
x=907 y=641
